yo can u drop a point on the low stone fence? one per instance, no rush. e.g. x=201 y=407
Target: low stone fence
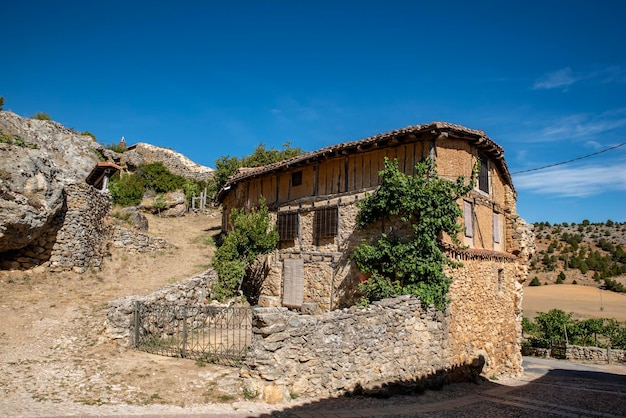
x=580 y=353
x=120 y=314
x=137 y=242
x=392 y=343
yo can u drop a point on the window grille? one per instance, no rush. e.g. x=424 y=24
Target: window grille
x=287 y=224
x=326 y=222
x=296 y=178
x=483 y=174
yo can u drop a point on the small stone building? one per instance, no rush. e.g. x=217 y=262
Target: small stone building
x=314 y=197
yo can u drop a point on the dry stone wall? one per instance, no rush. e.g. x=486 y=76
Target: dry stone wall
x=393 y=343
x=120 y=314
x=81 y=242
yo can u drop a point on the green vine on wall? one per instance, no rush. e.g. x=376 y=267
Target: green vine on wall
x=410 y=263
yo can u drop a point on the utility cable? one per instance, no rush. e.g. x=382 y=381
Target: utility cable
x=569 y=161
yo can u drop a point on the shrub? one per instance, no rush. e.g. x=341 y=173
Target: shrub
x=250 y=236
x=41 y=116
x=119 y=148
x=87 y=133
x=535 y=282
x=1 y=102
x=126 y=190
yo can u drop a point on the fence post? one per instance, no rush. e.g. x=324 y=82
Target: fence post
x=136 y=339
x=608 y=355
x=183 y=351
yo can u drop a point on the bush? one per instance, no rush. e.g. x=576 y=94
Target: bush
x=1 y=102
x=535 y=282
x=41 y=116
x=250 y=236
x=126 y=190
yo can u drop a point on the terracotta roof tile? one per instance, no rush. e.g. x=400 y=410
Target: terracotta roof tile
x=478 y=136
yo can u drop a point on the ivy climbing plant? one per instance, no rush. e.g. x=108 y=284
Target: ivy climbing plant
x=410 y=262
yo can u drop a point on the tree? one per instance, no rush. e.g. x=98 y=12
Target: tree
x=553 y=324
x=411 y=264
x=1 y=102
x=535 y=282
x=250 y=236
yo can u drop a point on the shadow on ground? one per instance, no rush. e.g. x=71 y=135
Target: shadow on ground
x=546 y=390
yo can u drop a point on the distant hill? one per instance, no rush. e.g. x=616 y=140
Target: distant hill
x=591 y=254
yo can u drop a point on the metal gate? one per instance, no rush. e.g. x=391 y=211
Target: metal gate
x=205 y=333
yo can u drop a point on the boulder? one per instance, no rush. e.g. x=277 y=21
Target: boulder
x=37 y=159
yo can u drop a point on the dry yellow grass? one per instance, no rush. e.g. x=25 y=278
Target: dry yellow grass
x=583 y=301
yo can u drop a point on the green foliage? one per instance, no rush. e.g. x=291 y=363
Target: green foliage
x=551 y=326
x=614 y=286
x=126 y=190
x=41 y=116
x=119 y=148
x=560 y=278
x=155 y=176
x=1 y=102
x=414 y=264
x=535 y=282
x=250 y=236
x=226 y=166
x=87 y=133
x=15 y=140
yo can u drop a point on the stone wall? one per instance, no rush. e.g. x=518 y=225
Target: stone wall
x=137 y=242
x=81 y=242
x=120 y=314
x=580 y=353
x=394 y=343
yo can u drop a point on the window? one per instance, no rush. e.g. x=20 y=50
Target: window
x=483 y=174
x=326 y=222
x=287 y=224
x=468 y=217
x=296 y=178
x=496 y=229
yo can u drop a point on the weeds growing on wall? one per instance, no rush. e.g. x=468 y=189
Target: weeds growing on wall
x=411 y=263
x=250 y=235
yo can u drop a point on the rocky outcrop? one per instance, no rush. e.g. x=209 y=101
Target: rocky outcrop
x=171 y=204
x=175 y=162
x=38 y=159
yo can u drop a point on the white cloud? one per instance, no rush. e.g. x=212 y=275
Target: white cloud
x=580 y=126
x=574 y=182
x=558 y=79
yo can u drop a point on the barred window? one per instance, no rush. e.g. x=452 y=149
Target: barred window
x=483 y=175
x=326 y=222
x=287 y=224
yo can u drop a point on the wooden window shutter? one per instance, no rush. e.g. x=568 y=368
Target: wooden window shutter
x=483 y=175
x=468 y=217
x=293 y=282
x=496 y=228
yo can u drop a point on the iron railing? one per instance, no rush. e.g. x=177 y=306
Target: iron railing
x=204 y=333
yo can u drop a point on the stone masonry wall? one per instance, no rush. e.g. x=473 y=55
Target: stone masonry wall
x=120 y=314
x=137 y=242
x=81 y=242
x=580 y=353
x=393 y=342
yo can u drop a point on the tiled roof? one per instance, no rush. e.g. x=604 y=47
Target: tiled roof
x=477 y=137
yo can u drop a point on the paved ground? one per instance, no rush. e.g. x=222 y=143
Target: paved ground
x=549 y=388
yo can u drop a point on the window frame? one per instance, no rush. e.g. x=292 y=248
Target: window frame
x=288 y=225
x=483 y=173
x=326 y=222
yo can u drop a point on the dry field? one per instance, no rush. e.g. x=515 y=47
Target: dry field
x=583 y=301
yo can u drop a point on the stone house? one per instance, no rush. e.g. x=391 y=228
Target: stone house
x=313 y=199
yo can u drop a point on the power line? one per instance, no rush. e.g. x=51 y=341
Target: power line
x=569 y=161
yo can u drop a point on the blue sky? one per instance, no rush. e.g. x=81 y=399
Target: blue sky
x=545 y=80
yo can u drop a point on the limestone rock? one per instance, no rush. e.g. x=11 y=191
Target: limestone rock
x=171 y=204
x=175 y=162
x=38 y=158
